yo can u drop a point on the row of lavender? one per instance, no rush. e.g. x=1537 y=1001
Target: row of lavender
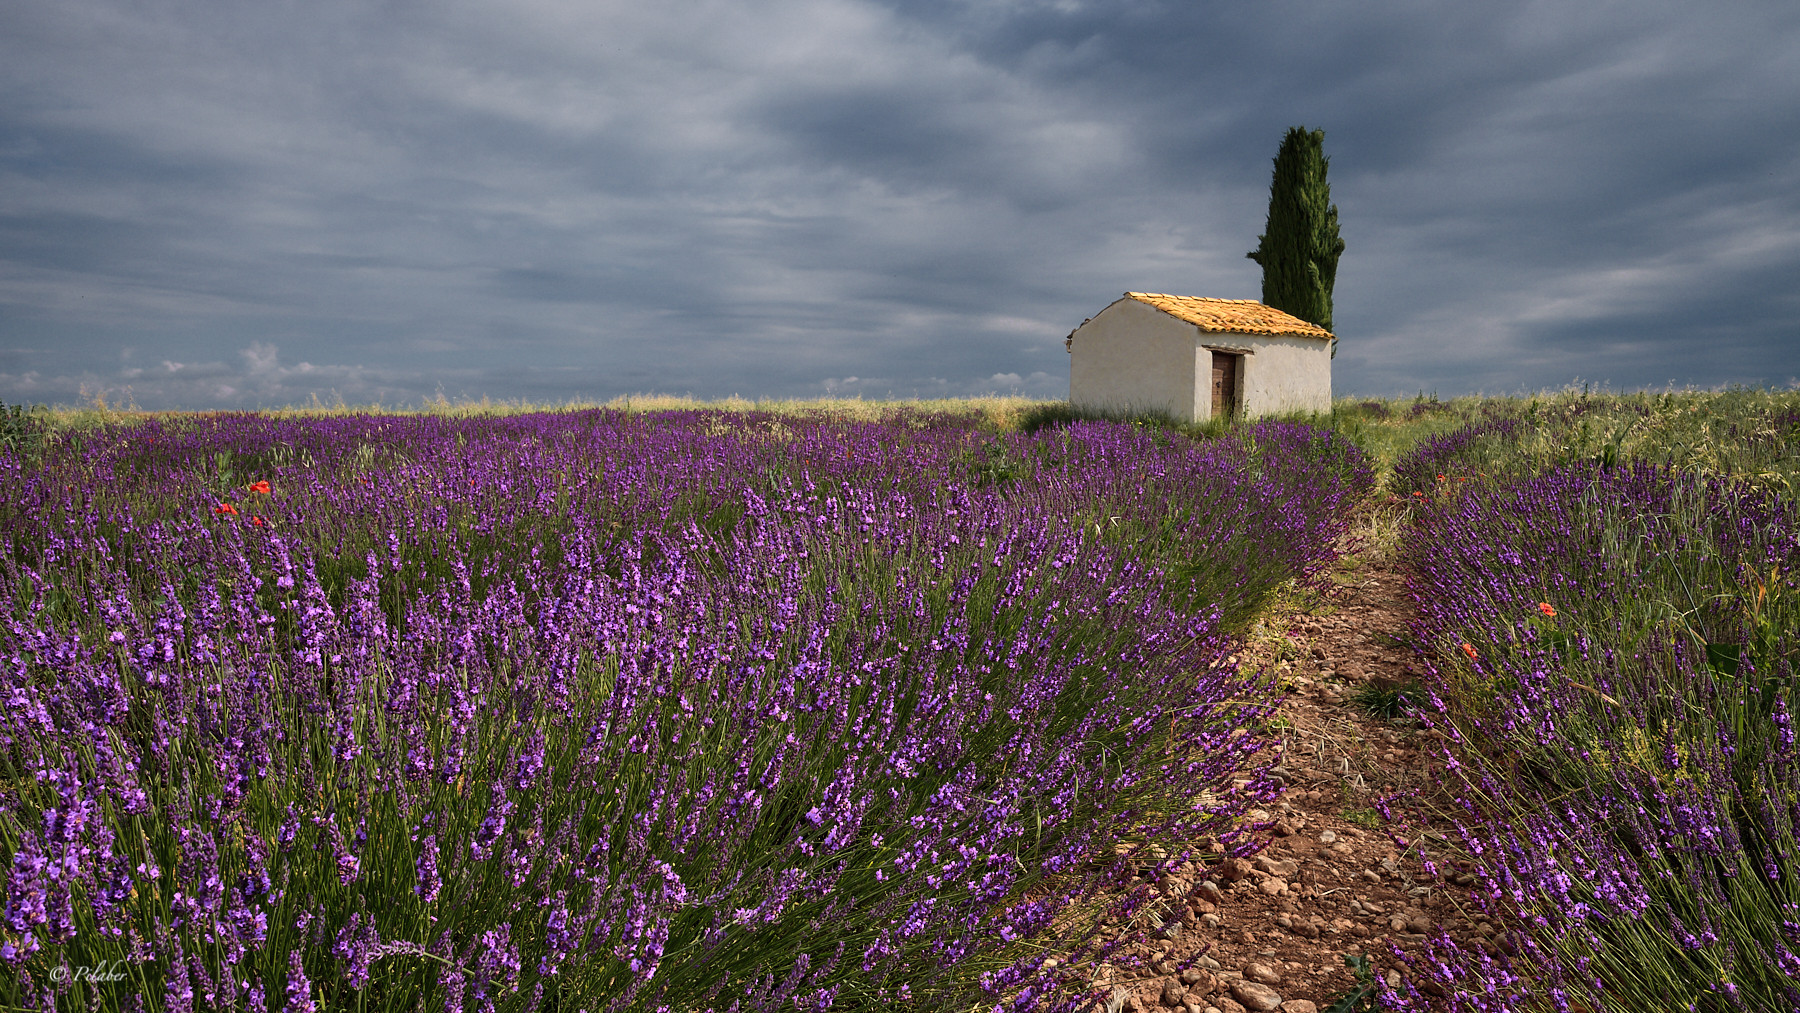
x=1618 y=645
x=602 y=711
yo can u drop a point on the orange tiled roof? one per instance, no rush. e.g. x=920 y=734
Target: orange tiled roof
x=1241 y=316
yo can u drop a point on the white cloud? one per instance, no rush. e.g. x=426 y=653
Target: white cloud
x=261 y=380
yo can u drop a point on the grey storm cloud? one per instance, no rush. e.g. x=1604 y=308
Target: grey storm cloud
x=208 y=205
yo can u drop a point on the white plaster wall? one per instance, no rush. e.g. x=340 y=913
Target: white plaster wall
x=1134 y=358
x=1285 y=374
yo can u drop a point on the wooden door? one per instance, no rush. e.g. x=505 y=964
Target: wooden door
x=1224 y=384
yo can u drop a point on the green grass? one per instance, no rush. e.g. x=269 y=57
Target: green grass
x=1389 y=702
x=1740 y=431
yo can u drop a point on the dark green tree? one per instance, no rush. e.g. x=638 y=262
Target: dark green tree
x=1299 y=247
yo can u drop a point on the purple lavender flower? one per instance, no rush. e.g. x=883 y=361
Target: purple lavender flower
x=299 y=987
x=428 y=884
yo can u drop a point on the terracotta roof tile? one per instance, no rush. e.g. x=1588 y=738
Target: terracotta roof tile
x=1241 y=316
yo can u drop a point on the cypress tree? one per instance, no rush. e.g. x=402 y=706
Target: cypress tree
x=1299 y=247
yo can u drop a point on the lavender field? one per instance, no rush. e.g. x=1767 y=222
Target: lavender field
x=607 y=711
x=1610 y=596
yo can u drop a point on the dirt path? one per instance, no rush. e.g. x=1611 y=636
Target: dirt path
x=1271 y=932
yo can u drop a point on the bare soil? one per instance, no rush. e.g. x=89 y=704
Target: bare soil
x=1333 y=880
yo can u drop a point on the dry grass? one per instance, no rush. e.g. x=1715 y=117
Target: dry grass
x=1377 y=531
x=1000 y=412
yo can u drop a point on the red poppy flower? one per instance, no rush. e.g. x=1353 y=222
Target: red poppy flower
x=262 y=486
x=1545 y=608
x=1469 y=650
x=225 y=508
x=1440 y=478
x=1419 y=494
x=258 y=521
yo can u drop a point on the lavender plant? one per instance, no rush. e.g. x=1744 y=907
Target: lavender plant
x=1475 y=450
x=610 y=711
x=1619 y=707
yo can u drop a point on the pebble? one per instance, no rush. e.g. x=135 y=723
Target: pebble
x=1328 y=837
x=1262 y=974
x=1224 y=1005
x=1277 y=867
x=1207 y=962
x=1255 y=996
x=1273 y=887
x=1194 y=976
x=1299 y=1006
x=1172 y=994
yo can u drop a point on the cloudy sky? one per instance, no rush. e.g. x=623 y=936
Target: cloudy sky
x=211 y=204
